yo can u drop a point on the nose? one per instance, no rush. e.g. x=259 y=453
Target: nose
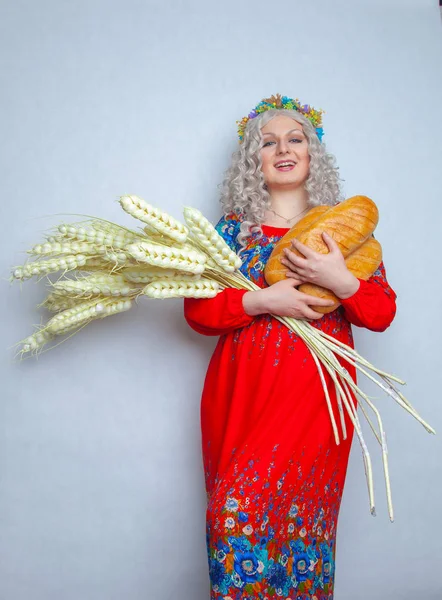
x=282 y=146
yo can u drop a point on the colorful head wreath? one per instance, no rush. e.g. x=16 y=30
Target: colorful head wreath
x=314 y=116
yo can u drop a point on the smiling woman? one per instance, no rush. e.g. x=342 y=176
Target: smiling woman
x=274 y=474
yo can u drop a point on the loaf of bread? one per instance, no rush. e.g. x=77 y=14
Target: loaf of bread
x=351 y=224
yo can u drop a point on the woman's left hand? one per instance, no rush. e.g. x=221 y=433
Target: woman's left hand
x=327 y=270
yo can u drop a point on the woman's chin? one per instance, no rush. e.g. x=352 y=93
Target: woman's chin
x=285 y=182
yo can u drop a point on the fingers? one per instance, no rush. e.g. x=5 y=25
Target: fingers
x=294 y=277
x=318 y=301
x=331 y=244
x=292 y=258
x=312 y=314
x=294 y=273
x=305 y=250
x=295 y=281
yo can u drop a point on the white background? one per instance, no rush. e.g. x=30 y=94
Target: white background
x=101 y=482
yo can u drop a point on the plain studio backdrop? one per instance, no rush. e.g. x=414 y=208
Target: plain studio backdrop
x=101 y=480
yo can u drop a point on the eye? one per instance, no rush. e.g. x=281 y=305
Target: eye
x=298 y=140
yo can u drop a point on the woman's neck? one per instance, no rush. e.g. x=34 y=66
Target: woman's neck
x=290 y=206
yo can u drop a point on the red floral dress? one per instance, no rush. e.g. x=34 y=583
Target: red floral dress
x=273 y=472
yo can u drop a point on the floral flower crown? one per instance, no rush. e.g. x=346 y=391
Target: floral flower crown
x=314 y=116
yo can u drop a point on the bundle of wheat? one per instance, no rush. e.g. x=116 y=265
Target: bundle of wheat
x=168 y=259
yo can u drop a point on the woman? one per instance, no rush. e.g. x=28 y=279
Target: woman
x=274 y=474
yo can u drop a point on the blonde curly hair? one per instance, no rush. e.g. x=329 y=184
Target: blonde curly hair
x=243 y=190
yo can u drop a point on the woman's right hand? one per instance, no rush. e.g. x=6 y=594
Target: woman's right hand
x=284 y=300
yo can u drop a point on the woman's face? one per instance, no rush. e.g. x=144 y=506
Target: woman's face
x=284 y=141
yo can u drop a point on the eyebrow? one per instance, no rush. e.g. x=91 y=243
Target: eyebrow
x=271 y=133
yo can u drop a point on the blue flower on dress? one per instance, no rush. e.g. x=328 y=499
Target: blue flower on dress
x=326 y=570
x=313 y=553
x=246 y=565
x=326 y=550
x=228 y=228
x=299 y=521
x=243 y=517
x=293 y=510
x=297 y=546
x=277 y=576
x=237 y=581
x=318 y=582
x=240 y=544
x=301 y=565
x=216 y=572
x=327 y=564
x=223 y=547
x=231 y=504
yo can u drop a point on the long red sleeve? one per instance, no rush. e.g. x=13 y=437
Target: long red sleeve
x=373 y=305
x=219 y=315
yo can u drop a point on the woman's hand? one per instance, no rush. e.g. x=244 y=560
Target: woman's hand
x=283 y=299
x=327 y=270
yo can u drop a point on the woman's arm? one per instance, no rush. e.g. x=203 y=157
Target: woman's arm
x=219 y=315
x=373 y=305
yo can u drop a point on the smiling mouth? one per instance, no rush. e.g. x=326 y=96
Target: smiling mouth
x=285 y=166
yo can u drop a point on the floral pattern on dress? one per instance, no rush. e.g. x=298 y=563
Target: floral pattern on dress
x=246 y=522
